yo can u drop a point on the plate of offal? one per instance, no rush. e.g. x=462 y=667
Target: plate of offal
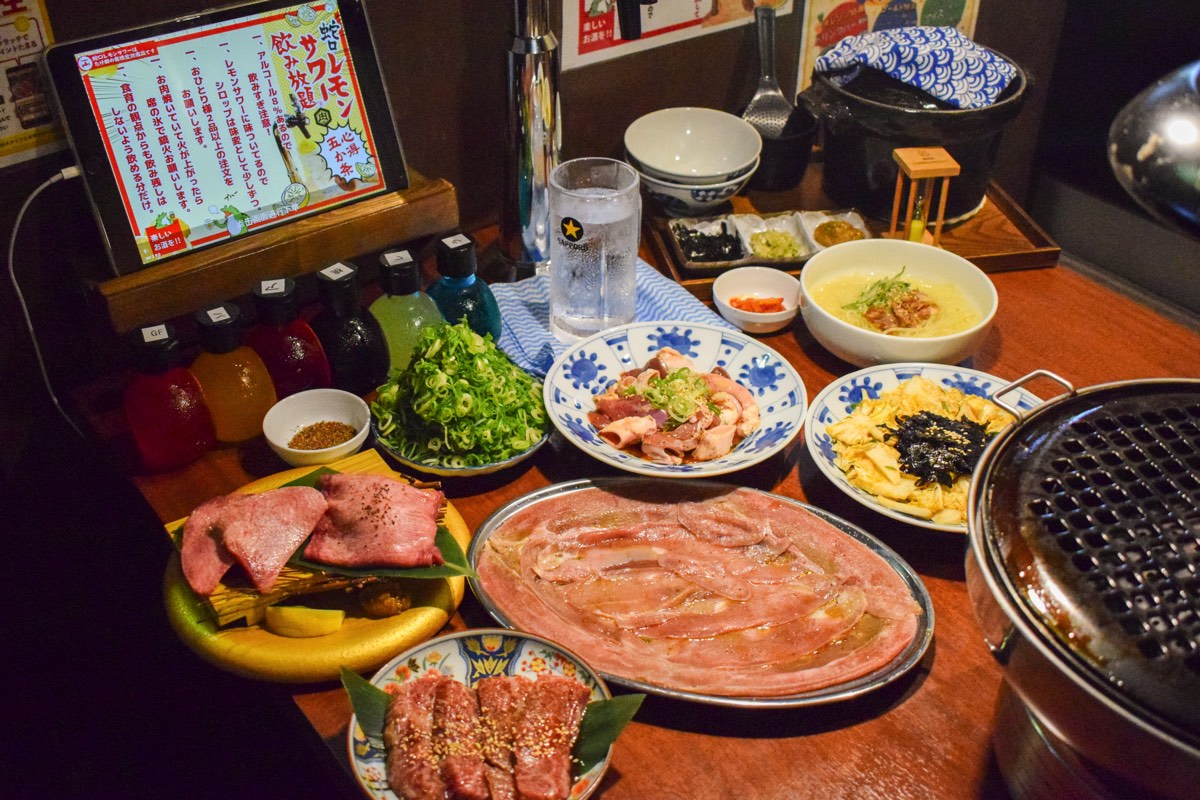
x=903 y=439
x=237 y=565
x=703 y=591
x=675 y=399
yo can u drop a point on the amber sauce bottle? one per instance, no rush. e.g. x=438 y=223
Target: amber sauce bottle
x=235 y=382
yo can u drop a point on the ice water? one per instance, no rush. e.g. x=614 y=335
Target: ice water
x=593 y=261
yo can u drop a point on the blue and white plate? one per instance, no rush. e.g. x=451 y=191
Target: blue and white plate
x=444 y=469
x=587 y=368
x=470 y=656
x=837 y=400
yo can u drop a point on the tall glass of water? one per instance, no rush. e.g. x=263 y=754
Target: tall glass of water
x=595 y=211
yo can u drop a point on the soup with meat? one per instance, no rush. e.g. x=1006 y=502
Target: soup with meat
x=897 y=305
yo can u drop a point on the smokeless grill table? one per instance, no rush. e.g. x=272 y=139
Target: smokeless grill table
x=928 y=734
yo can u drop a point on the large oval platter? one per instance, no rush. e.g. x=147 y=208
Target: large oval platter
x=467 y=657
x=900 y=664
x=361 y=644
x=837 y=400
x=587 y=368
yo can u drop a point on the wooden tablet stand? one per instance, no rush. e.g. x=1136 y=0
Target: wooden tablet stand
x=921 y=165
x=182 y=285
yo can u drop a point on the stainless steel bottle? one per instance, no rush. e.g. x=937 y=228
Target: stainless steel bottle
x=533 y=139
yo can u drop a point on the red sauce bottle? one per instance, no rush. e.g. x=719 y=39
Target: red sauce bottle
x=287 y=344
x=163 y=403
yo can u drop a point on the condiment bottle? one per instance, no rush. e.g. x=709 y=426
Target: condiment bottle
x=352 y=338
x=287 y=344
x=163 y=403
x=459 y=292
x=403 y=310
x=235 y=382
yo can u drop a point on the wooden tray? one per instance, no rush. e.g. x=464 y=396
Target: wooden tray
x=999 y=237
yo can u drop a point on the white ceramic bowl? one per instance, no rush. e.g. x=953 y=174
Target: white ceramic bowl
x=761 y=282
x=681 y=199
x=880 y=258
x=296 y=411
x=692 y=145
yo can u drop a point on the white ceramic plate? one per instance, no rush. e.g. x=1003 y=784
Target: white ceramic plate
x=442 y=470
x=589 y=366
x=470 y=656
x=837 y=400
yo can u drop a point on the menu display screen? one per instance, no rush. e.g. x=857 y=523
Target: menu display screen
x=218 y=130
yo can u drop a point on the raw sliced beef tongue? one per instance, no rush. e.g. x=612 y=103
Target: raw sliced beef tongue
x=412 y=764
x=203 y=554
x=545 y=737
x=375 y=521
x=264 y=530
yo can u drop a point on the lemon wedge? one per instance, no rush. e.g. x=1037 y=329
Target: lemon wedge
x=302 y=622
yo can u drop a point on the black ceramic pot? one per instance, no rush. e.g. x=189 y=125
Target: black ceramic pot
x=869 y=117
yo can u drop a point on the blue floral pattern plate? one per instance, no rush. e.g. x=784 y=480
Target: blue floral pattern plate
x=589 y=366
x=470 y=656
x=837 y=400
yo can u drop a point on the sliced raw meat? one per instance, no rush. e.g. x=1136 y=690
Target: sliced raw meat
x=545 y=737
x=412 y=765
x=203 y=554
x=375 y=521
x=264 y=530
x=457 y=735
x=501 y=704
x=716 y=590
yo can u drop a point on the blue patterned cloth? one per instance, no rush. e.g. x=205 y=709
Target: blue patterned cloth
x=525 y=314
x=939 y=61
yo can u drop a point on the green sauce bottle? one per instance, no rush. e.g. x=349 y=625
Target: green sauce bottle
x=403 y=310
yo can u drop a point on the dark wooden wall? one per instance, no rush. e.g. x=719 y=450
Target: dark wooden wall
x=444 y=65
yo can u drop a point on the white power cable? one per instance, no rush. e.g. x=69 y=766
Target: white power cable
x=65 y=174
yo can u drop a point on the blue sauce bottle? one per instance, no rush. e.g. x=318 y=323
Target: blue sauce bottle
x=459 y=292
x=351 y=337
x=403 y=310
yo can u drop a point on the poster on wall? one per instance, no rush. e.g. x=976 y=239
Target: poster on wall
x=599 y=30
x=27 y=124
x=827 y=22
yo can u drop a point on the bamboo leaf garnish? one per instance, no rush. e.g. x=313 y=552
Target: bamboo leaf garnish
x=602 y=723
x=369 y=701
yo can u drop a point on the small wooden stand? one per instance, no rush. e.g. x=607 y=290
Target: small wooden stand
x=921 y=165
x=181 y=285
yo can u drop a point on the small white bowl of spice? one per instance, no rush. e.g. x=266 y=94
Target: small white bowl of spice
x=757 y=299
x=317 y=426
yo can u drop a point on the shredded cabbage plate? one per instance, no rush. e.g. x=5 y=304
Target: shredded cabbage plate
x=461 y=402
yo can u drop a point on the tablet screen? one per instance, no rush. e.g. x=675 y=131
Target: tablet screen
x=216 y=130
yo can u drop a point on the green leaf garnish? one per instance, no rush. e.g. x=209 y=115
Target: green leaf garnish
x=369 y=701
x=880 y=293
x=602 y=723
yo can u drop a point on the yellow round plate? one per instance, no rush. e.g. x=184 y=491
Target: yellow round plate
x=361 y=644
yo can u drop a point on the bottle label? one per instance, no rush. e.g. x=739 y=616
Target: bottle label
x=218 y=314
x=154 y=333
x=397 y=257
x=337 y=271
x=275 y=286
x=457 y=240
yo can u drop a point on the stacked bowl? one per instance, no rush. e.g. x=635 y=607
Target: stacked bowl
x=692 y=159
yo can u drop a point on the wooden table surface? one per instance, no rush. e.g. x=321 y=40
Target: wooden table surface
x=927 y=735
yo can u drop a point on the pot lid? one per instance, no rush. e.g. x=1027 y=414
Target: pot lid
x=1087 y=512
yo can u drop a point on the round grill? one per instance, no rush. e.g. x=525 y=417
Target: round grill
x=1092 y=512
